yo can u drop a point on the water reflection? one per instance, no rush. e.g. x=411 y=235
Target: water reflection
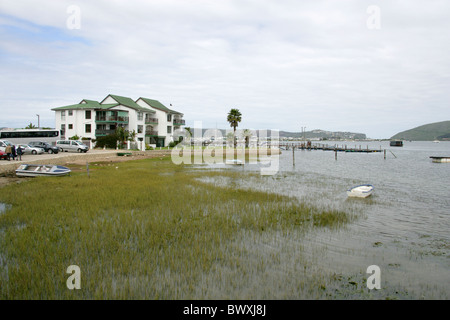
x=403 y=227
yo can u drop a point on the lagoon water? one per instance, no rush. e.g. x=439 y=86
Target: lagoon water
x=404 y=227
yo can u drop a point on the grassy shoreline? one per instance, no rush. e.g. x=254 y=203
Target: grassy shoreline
x=148 y=229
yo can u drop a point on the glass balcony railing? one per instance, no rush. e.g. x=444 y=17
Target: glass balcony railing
x=151 y=120
x=104 y=132
x=151 y=133
x=111 y=119
x=179 y=122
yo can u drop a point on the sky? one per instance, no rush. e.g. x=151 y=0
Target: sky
x=375 y=67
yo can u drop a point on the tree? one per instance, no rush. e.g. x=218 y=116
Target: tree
x=131 y=136
x=189 y=131
x=247 y=134
x=234 y=117
x=122 y=135
x=109 y=141
x=30 y=126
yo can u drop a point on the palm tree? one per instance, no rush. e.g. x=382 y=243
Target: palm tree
x=247 y=134
x=234 y=117
x=189 y=133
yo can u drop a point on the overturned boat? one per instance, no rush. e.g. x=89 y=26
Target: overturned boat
x=361 y=191
x=36 y=170
x=440 y=159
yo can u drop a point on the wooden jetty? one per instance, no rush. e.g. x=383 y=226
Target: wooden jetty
x=325 y=147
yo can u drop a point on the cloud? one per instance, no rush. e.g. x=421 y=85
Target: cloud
x=284 y=64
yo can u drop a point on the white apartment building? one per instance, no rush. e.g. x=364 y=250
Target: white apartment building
x=153 y=122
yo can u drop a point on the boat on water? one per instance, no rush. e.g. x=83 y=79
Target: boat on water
x=361 y=191
x=36 y=170
x=440 y=159
x=234 y=161
x=396 y=143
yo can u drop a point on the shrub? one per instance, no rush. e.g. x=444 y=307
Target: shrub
x=109 y=141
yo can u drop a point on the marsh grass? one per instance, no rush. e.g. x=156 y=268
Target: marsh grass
x=149 y=229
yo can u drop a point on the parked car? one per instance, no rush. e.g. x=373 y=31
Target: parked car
x=27 y=149
x=72 y=145
x=45 y=145
x=3 y=155
x=3 y=144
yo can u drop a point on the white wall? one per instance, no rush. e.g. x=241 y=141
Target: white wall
x=161 y=127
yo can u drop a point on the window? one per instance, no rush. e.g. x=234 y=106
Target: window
x=140 y=129
x=88 y=128
x=87 y=114
x=63 y=115
x=169 y=129
x=140 y=116
x=70 y=126
x=70 y=112
x=169 y=118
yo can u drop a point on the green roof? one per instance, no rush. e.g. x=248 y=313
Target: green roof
x=128 y=102
x=125 y=101
x=90 y=104
x=158 y=105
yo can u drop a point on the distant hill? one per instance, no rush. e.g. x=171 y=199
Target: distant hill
x=314 y=134
x=322 y=134
x=427 y=132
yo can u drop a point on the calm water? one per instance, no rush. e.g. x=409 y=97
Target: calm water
x=403 y=228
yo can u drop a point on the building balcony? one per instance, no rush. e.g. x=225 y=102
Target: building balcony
x=103 y=132
x=178 y=122
x=151 y=120
x=116 y=119
x=151 y=133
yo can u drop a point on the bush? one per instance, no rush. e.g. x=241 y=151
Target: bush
x=109 y=141
x=173 y=144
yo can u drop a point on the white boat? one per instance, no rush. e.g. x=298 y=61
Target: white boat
x=36 y=170
x=440 y=159
x=361 y=191
x=234 y=161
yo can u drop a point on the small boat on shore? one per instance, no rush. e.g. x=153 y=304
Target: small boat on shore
x=234 y=161
x=440 y=159
x=36 y=170
x=361 y=191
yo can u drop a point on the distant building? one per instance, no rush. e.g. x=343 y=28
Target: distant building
x=153 y=122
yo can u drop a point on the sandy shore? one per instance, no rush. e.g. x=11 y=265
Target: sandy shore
x=7 y=168
x=74 y=160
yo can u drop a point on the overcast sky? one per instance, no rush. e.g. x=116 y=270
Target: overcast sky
x=374 y=67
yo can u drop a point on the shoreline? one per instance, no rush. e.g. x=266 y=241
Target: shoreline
x=67 y=158
x=7 y=168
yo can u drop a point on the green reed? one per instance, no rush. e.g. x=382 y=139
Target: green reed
x=145 y=229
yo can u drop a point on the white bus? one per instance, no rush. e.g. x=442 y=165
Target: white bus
x=25 y=136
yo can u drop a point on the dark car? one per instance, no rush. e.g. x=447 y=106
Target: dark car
x=45 y=145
